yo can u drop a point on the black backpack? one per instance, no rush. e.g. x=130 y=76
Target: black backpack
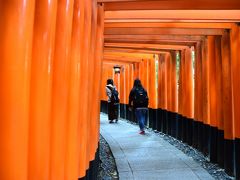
x=140 y=98
x=114 y=97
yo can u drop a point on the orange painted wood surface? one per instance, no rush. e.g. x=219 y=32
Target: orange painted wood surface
x=212 y=81
x=152 y=84
x=113 y=5
x=92 y=76
x=60 y=94
x=73 y=117
x=173 y=90
x=83 y=92
x=16 y=21
x=198 y=106
x=219 y=84
x=205 y=84
x=98 y=68
x=163 y=82
x=41 y=89
x=235 y=65
x=227 y=86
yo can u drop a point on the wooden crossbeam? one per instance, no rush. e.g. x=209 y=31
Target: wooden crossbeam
x=115 y=5
x=130 y=50
x=173 y=15
x=168 y=25
x=114 y=62
x=160 y=37
x=145 y=46
x=123 y=59
x=162 y=42
x=143 y=49
x=162 y=31
x=122 y=54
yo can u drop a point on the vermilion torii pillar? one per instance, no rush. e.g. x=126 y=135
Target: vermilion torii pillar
x=235 y=66
x=16 y=21
x=40 y=90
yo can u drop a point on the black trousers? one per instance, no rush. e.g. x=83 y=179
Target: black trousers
x=112 y=111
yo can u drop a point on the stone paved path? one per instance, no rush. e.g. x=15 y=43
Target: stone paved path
x=148 y=157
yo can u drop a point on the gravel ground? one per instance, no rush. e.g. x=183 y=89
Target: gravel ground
x=213 y=169
x=107 y=165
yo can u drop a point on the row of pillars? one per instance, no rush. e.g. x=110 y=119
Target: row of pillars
x=49 y=106
x=199 y=104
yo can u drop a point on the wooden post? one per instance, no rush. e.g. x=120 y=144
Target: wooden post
x=164 y=92
x=188 y=101
x=169 y=81
x=73 y=116
x=235 y=64
x=61 y=65
x=205 y=97
x=152 y=93
x=173 y=90
x=219 y=102
x=188 y=84
x=212 y=97
x=198 y=100
x=16 y=22
x=198 y=84
x=98 y=65
x=40 y=90
x=180 y=85
x=83 y=110
x=205 y=74
x=136 y=70
x=152 y=84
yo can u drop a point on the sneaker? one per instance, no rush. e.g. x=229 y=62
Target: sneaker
x=116 y=120
x=111 y=121
x=142 y=132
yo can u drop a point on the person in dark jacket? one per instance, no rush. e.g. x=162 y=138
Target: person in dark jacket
x=138 y=101
x=112 y=106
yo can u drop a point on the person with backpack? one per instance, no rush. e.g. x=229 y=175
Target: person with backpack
x=138 y=100
x=113 y=101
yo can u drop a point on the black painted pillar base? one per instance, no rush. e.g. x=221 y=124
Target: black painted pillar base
x=184 y=129
x=147 y=119
x=123 y=111
x=103 y=107
x=229 y=156
x=174 y=124
x=169 y=123
x=206 y=139
x=151 y=117
x=189 y=132
x=127 y=112
x=164 y=120
x=237 y=158
x=195 y=134
x=130 y=115
x=180 y=127
x=213 y=144
x=220 y=148
x=92 y=172
x=159 y=120
x=154 y=120
x=200 y=136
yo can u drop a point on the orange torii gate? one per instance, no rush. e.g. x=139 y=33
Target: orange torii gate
x=48 y=52
x=144 y=27
x=49 y=115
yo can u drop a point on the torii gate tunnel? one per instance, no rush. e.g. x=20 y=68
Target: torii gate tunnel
x=55 y=58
